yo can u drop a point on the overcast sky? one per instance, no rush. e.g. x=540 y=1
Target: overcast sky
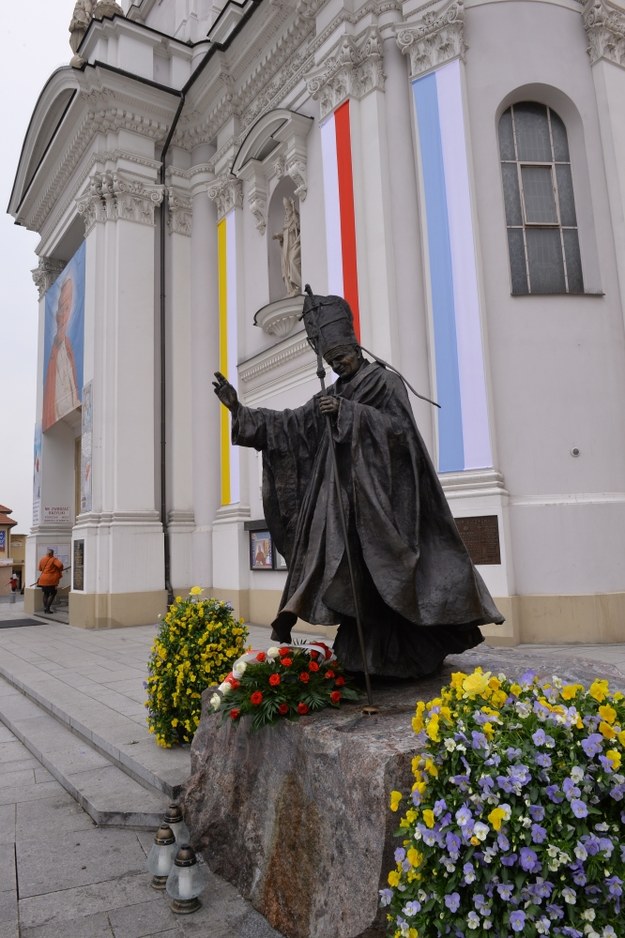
x=36 y=42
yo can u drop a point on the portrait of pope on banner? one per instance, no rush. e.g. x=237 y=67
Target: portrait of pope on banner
x=63 y=342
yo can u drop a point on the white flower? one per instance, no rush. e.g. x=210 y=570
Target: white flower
x=580 y=851
x=589 y=915
x=215 y=701
x=273 y=652
x=577 y=773
x=224 y=688
x=481 y=830
x=449 y=744
x=473 y=920
x=569 y=895
x=239 y=669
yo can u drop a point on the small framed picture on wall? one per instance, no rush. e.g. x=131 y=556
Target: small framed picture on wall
x=261 y=550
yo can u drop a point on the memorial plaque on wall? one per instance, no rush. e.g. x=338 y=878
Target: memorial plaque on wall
x=78 y=566
x=481 y=538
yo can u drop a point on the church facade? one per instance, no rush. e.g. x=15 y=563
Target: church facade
x=455 y=169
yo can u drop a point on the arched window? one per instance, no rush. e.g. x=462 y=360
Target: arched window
x=538 y=195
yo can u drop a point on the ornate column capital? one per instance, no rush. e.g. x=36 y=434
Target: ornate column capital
x=352 y=70
x=112 y=195
x=227 y=193
x=605 y=27
x=180 y=214
x=434 y=38
x=46 y=272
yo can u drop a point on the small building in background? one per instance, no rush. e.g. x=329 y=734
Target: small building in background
x=12 y=550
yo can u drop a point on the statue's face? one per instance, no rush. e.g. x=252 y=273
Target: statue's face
x=344 y=360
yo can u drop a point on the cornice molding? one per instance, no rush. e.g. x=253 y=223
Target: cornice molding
x=605 y=27
x=434 y=38
x=227 y=193
x=353 y=68
x=271 y=360
x=113 y=196
x=46 y=272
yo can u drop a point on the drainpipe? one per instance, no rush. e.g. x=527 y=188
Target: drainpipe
x=163 y=355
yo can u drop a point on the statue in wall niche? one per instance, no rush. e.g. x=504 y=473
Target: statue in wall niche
x=291 y=258
x=107 y=8
x=79 y=24
x=355 y=506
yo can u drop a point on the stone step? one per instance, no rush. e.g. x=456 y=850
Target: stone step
x=101 y=725
x=104 y=789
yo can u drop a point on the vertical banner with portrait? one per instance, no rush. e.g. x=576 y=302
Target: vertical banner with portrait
x=63 y=342
x=37 y=475
x=85 y=447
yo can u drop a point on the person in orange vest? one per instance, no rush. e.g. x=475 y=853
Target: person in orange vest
x=51 y=571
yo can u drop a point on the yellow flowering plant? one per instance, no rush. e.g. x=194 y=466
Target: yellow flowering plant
x=198 y=642
x=515 y=824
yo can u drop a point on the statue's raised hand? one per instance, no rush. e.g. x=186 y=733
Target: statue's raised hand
x=225 y=392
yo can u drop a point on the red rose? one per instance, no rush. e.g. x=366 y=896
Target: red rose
x=287 y=662
x=340 y=681
x=256 y=698
x=234 y=684
x=283 y=709
x=274 y=679
x=314 y=655
x=313 y=666
x=284 y=650
x=261 y=656
x=329 y=674
x=235 y=714
x=302 y=708
x=335 y=696
x=304 y=677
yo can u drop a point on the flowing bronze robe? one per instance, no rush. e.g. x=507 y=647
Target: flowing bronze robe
x=421 y=596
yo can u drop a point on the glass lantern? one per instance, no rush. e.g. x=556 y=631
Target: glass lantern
x=174 y=819
x=186 y=881
x=161 y=856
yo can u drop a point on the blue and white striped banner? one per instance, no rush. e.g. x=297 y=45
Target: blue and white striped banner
x=463 y=429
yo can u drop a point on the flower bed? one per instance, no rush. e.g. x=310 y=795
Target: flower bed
x=516 y=819
x=198 y=641
x=286 y=681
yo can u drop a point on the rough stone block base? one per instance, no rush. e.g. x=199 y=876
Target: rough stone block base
x=296 y=815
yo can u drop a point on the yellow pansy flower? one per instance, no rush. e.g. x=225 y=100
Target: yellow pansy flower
x=393 y=878
x=196 y=591
x=414 y=857
x=396 y=797
x=476 y=684
x=496 y=818
x=607 y=731
x=607 y=713
x=599 y=689
x=615 y=758
x=428 y=818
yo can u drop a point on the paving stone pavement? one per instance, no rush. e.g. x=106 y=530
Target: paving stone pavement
x=62 y=875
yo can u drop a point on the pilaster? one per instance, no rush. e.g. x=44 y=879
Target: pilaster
x=122 y=535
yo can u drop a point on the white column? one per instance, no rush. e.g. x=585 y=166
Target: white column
x=123 y=537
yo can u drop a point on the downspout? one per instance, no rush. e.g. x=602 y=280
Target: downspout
x=163 y=355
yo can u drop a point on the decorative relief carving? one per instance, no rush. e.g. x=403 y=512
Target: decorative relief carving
x=437 y=37
x=354 y=70
x=180 y=212
x=227 y=193
x=112 y=196
x=46 y=272
x=605 y=28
